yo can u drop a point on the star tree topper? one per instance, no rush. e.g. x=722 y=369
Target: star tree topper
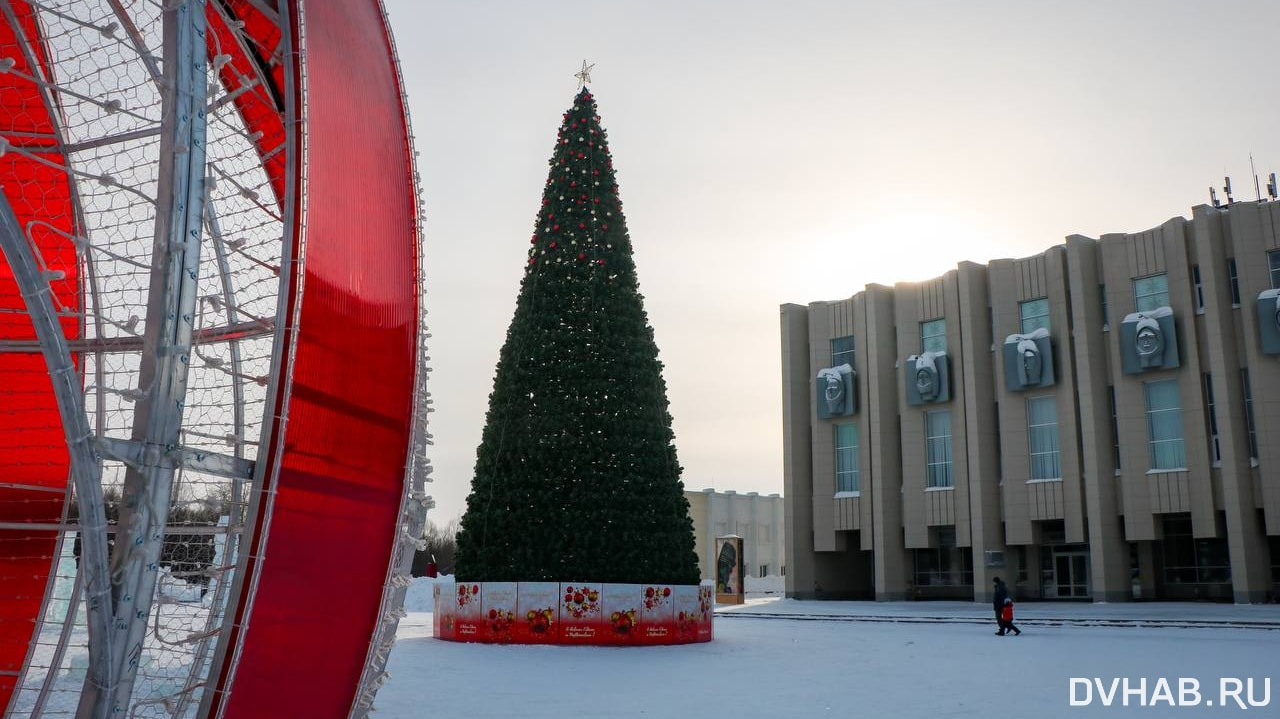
x=584 y=75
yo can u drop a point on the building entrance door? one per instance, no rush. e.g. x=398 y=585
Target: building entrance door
x=1071 y=574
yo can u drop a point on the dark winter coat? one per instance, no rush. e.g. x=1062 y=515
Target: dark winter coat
x=1002 y=593
x=1006 y=613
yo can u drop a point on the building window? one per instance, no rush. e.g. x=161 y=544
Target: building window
x=842 y=351
x=933 y=336
x=1273 y=259
x=1215 y=447
x=847 y=479
x=938 y=448
x=943 y=567
x=1034 y=315
x=1195 y=278
x=1115 y=428
x=1248 y=414
x=1188 y=560
x=1274 y=541
x=764 y=571
x=1042 y=427
x=1164 y=425
x=1102 y=297
x=1151 y=292
x=1235 y=281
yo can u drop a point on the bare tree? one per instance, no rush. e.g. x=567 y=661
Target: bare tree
x=441 y=545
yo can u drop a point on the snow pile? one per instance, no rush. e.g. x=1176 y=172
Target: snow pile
x=419 y=597
x=770 y=585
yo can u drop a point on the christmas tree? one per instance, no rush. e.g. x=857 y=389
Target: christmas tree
x=576 y=474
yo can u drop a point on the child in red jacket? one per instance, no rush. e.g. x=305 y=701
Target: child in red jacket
x=1006 y=619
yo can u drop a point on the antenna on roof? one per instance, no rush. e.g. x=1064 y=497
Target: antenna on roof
x=1271 y=187
x=1257 y=193
x=1227 y=189
x=1213 y=196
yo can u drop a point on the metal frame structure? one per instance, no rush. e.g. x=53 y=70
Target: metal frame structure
x=170 y=351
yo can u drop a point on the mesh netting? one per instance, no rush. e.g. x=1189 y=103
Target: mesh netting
x=84 y=149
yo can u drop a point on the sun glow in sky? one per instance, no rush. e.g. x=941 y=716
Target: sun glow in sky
x=773 y=152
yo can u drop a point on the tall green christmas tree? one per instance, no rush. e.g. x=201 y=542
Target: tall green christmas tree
x=576 y=474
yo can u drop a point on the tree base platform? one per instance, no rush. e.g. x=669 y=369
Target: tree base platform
x=590 y=613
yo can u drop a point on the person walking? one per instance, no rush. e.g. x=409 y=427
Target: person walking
x=997 y=603
x=1006 y=620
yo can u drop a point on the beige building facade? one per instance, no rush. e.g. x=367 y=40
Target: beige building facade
x=757 y=518
x=1100 y=421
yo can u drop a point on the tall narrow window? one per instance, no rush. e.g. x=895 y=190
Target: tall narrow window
x=1042 y=429
x=1151 y=292
x=1235 y=281
x=1195 y=278
x=1115 y=428
x=938 y=448
x=1034 y=315
x=933 y=336
x=1102 y=297
x=1215 y=447
x=1273 y=260
x=1248 y=414
x=847 y=477
x=842 y=351
x=1164 y=425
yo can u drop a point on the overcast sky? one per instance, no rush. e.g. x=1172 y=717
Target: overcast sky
x=773 y=152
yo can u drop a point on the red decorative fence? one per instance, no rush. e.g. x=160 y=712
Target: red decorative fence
x=573 y=613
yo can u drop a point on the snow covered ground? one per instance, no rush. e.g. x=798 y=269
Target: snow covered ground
x=776 y=658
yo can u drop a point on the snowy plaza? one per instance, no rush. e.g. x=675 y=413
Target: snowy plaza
x=775 y=657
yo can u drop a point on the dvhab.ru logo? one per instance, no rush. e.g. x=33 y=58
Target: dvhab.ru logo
x=1244 y=693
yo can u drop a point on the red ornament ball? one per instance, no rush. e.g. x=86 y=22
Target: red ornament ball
x=553 y=245
x=582 y=256
x=599 y=262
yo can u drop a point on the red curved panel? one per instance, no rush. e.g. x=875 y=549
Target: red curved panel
x=349 y=407
x=33 y=454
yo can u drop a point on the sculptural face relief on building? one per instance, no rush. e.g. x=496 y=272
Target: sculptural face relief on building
x=1148 y=341
x=834 y=393
x=926 y=382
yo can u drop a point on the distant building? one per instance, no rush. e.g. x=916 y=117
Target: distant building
x=757 y=519
x=1100 y=421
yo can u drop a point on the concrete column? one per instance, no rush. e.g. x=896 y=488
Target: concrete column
x=1108 y=551
x=797 y=464
x=1246 y=538
x=884 y=475
x=985 y=527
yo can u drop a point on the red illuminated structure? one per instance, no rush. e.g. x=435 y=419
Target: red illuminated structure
x=211 y=366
